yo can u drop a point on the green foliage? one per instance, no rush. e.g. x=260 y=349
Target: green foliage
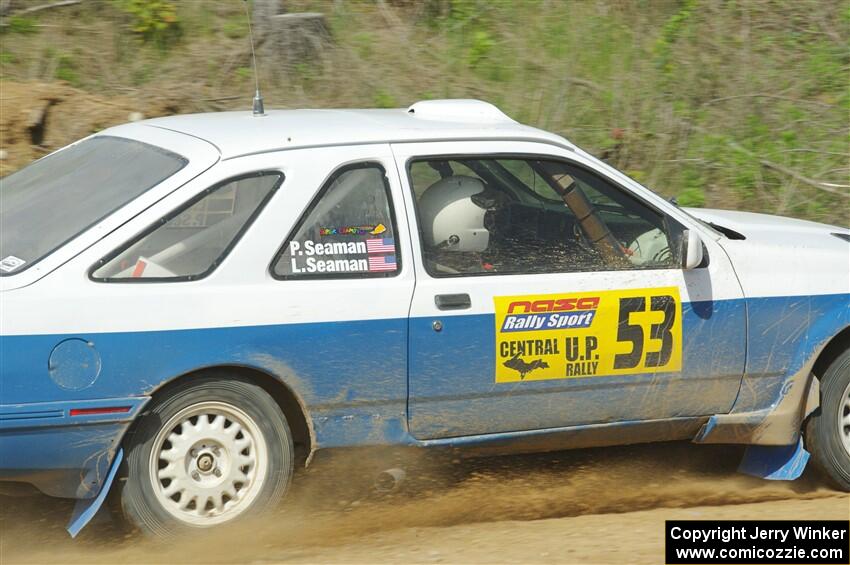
x=479 y=48
x=670 y=34
x=363 y=42
x=554 y=35
x=384 y=99
x=691 y=197
x=66 y=69
x=692 y=192
x=789 y=138
x=471 y=34
x=304 y=72
x=235 y=27
x=22 y=24
x=828 y=62
x=154 y=21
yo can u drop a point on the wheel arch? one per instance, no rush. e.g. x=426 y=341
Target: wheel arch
x=838 y=344
x=289 y=402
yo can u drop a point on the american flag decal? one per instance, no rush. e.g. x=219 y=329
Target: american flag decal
x=380 y=245
x=382 y=263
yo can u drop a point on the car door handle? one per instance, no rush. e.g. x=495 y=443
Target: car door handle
x=452 y=301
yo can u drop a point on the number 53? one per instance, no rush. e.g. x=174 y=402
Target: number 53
x=635 y=333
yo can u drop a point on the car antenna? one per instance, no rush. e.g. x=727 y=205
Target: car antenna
x=259 y=110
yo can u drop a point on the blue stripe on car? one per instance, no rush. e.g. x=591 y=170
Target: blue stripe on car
x=352 y=377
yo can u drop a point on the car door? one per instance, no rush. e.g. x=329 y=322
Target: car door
x=544 y=326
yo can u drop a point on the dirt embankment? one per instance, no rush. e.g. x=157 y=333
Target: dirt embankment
x=588 y=506
x=37 y=118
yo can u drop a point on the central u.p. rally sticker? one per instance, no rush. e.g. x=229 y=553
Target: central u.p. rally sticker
x=589 y=334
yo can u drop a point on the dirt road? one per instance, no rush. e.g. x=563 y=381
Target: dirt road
x=589 y=506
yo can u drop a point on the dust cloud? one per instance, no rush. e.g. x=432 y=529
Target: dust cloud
x=334 y=505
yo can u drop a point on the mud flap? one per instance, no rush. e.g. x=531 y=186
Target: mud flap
x=85 y=509
x=775 y=463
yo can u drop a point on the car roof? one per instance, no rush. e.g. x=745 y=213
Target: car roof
x=241 y=133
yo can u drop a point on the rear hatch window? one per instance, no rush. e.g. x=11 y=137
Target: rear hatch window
x=55 y=199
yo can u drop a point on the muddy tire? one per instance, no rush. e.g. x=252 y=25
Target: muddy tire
x=828 y=430
x=212 y=450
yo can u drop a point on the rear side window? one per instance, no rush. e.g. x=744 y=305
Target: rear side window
x=348 y=231
x=191 y=242
x=53 y=200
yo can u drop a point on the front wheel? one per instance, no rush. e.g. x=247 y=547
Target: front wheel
x=828 y=431
x=215 y=449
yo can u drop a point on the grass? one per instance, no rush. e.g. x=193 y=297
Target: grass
x=689 y=97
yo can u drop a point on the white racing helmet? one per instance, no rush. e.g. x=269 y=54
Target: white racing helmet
x=451 y=220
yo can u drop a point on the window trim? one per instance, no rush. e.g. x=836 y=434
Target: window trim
x=460 y=157
x=176 y=212
x=302 y=219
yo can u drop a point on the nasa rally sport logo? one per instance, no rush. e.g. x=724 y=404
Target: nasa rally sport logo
x=551 y=314
x=615 y=332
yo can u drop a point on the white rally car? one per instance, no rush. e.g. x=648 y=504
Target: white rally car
x=195 y=304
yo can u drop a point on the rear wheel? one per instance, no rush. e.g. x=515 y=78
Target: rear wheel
x=828 y=431
x=215 y=449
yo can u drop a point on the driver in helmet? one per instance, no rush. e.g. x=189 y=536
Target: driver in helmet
x=458 y=217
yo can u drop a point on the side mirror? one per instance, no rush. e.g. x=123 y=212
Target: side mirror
x=691 y=250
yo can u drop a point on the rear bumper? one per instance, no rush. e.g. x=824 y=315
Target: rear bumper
x=61 y=454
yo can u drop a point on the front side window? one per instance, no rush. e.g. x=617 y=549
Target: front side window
x=526 y=216
x=55 y=199
x=348 y=230
x=191 y=242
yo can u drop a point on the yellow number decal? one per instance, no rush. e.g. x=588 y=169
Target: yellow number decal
x=589 y=334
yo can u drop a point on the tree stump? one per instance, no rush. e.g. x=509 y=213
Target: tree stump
x=297 y=38
x=261 y=14
x=288 y=39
